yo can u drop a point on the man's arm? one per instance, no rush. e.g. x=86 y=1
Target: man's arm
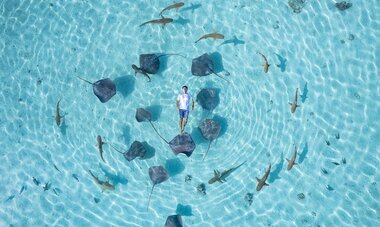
x=176 y=104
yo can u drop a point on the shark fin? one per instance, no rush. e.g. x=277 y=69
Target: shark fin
x=290 y=103
x=287 y=160
x=266 y=184
x=258 y=180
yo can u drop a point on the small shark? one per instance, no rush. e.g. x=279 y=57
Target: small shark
x=265 y=65
x=213 y=35
x=99 y=144
x=57 y=116
x=220 y=176
x=294 y=105
x=261 y=182
x=140 y=70
x=292 y=161
x=174 y=6
x=163 y=21
x=104 y=185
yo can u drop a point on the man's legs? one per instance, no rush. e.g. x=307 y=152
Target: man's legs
x=184 y=124
x=180 y=124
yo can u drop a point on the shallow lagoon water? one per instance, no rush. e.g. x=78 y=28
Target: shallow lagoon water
x=330 y=55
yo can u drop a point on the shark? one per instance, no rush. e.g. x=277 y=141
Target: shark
x=220 y=176
x=57 y=116
x=162 y=20
x=213 y=35
x=294 y=105
x=104 y=185
x=292 y=161
x=265 y=65
x=141 y=71
x=99 y=144
x=261 y=182
x=175 y=6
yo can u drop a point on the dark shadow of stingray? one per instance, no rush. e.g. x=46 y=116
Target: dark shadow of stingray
x=303 y=154
x=282 y=64
x=192 y=7
x=304 y=93
x=63 y=127
x=126 y=134
x=163 y=62
x=223 y=124
x=150 y=151
x=196 y=135
x=125 y=85
x=115 y=179
x=174 y=166
x=216 y=58
x=184 y=210
x=155 y=110
x=274 y=175
x=181 y=21
x=208 y=98
x=234 y=41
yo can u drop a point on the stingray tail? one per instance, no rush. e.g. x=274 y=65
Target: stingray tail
x=158 y=133
x=115 y=149
x=162 y=55
x=219 y=75
x=84 y=80
x=150 y=196
x=207 y=150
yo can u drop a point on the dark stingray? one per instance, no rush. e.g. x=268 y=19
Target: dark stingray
x=208 y=98
x=137 y=149
x=157 y=174
x=203 y=66
x=182 y=144
x=174 y=221
x=210 y=130
x=104 y=89
x=149 y=63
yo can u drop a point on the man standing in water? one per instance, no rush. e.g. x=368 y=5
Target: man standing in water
x=183 y=106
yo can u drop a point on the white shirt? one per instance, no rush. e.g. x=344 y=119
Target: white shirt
x=184 y=101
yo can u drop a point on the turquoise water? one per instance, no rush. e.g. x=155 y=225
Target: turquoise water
x=46 y=45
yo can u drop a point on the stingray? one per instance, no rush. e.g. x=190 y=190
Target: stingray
x=174 y=221
x=210 y=130
x=104 y=89
x=203 y=66
x=208 y=98
x=157 y=174
x=180 y=144
x=137 y=149
x=149 y=64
